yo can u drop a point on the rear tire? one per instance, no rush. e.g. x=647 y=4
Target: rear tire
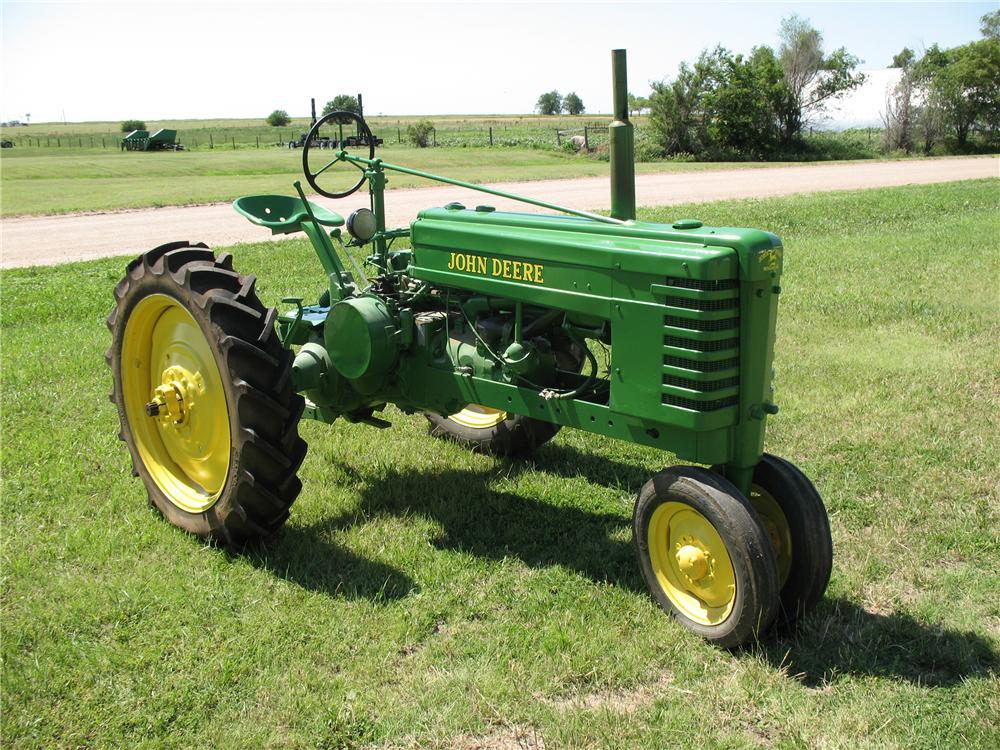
x=492 y=431
x=705 y=556
x=204 y=395
x=500 y=433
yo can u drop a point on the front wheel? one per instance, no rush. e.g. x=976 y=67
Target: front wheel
x=705 y=555
x=204 y=395
x=797 y=524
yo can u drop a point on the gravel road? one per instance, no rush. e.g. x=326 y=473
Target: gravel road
x=47 y=240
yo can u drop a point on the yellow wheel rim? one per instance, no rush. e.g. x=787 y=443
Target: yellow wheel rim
x=776 y=526
x=478 y=417
x=167 y=365
x=691 y=563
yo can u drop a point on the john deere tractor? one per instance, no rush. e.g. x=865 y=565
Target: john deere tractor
x=497 y=326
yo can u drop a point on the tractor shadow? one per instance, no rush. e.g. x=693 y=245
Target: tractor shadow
x=477 y=519
x=840 y=639
x=305 y=557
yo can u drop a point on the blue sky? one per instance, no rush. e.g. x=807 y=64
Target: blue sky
x=172 y=59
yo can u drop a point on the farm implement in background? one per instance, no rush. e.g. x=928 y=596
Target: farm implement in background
x=361 y=137
x=162 y=140
x=501 y=328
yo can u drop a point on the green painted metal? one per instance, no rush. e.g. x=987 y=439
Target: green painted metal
x=622 y=143
x=484 y=306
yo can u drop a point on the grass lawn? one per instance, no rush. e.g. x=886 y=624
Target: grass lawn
x=422 y=596
x=39 y=181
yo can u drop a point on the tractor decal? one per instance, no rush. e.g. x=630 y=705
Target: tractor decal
x=504 y=269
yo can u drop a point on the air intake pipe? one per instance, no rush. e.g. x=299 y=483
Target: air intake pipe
x=622 y=142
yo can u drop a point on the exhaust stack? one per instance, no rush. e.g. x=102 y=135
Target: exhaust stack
x=622 y=142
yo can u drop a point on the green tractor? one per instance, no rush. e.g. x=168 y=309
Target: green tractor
x=487 y=324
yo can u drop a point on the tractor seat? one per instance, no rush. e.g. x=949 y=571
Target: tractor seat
x=283 y=214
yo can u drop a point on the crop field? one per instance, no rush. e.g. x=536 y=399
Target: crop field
x=37 y=181
x=422 y=596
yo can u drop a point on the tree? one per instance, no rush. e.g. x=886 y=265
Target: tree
x=745 y=101
x=903 y=59
x=900 y=114
x=342 y=102
x=129 y=125
x=636 y=104
x=550 y=103
x=573 y=104
x=419 y=133
x=278 y=118
x=964 y=82
x=813 y=78
x=676 y=114
x=990 y=25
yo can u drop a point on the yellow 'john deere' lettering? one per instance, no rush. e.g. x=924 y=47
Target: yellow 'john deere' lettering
x=504 y=269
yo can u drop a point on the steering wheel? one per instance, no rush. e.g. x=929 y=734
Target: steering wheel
x=340 y=118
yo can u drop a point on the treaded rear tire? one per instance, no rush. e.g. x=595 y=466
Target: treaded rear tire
x=263 y=408
x=517 y=435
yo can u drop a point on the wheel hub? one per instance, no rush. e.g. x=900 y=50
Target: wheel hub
x=692 y=562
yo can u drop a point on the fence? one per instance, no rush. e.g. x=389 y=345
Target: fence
x=455 y=134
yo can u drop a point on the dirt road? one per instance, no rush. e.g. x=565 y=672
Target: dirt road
x=46 y=240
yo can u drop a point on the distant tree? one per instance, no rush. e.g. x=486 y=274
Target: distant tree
x=990 y=25
x=129 y=125
x=964 y=82
x=636 y=104
x=419 y=133
x=900 y=115
x=903 y=59
x=747 y=98
x=814 y=79
x=573 y=104
x=278 y=118
x=676 y=108
x=550 y=103
x=342 y=102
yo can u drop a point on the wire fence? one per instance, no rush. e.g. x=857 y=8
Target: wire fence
x=590 y=135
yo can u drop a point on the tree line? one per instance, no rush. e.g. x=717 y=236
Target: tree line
x=760 y=104
x=946 y=94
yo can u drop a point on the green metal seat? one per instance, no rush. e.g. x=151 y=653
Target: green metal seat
x=283 y=214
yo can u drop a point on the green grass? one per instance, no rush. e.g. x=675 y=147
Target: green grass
x=422 y=596
x=35 y=181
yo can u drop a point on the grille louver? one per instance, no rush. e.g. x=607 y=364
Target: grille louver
x=701 y=344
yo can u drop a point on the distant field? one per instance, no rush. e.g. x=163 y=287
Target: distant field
x=36 y=181
x=456 y=130
x=424 y=597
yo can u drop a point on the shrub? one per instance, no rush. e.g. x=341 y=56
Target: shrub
x=419 y=133
x=129 y=125
x=278 y=118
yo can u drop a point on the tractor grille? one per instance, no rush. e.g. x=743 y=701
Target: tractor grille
x=701 y=344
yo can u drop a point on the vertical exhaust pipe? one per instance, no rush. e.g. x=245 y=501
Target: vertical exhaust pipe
x=622 y=143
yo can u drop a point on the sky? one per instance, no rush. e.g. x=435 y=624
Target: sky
x=172 y=59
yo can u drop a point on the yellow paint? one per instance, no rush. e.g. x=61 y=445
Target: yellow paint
x=770 y=260
x=166 y=359
x=516 y=270
x=691 y=563
x=776 y=526
x=478 y=417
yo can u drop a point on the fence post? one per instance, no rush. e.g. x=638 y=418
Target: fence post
x=258 y=141
x=102 y=142
x=399 y=136
x=586 y=138
x=434 y=131
x=491 y=135
x=211 y=144
x=558 y=137
x=58 y=143
x=234 y=143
